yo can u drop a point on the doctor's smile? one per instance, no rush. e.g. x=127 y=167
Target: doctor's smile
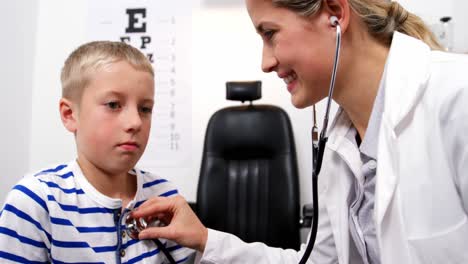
x=290 y=79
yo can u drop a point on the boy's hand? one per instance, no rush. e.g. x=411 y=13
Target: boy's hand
x=183 y=226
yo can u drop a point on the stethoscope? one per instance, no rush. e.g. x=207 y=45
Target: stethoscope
x=134 y=226
x=318 y=147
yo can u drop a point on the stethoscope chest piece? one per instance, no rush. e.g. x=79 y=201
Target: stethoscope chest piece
x=133 y=226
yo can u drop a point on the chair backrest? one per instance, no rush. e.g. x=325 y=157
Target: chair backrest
x=248 y=182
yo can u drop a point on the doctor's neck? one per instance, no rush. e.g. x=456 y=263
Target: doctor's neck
x=360 y=71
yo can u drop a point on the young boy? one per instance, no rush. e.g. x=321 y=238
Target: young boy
x=76 y=212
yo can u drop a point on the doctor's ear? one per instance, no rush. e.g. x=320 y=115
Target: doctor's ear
x=68 y=114
x=339 y=11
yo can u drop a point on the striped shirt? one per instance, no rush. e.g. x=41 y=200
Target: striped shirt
x=57 y=216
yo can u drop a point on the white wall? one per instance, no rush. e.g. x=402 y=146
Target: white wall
x=432 y=11
x=17 y=40
x=461 y=25
x=60 y=29
x=225 y=47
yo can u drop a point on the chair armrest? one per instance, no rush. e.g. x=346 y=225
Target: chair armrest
x=307 y=216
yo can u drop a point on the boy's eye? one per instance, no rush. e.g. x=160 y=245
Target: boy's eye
x=113 y=105
x=146 y=109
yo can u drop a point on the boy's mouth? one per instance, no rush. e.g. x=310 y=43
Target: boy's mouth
x=129 y=145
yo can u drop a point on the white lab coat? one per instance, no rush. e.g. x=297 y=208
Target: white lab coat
x=421 y=198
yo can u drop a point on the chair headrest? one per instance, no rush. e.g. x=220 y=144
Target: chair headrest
x=242 y=132
x=244 y=91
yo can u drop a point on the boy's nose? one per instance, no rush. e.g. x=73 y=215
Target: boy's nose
x=132 y=120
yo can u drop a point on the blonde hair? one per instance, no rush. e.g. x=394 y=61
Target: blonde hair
x=83 y=62
x=381 y=17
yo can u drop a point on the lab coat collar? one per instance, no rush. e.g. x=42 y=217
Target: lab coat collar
x=407 y=75
x=408 y=72
x=340 y=144
x=339 y=127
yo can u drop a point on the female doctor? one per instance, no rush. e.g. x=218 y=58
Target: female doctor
x=394 y=182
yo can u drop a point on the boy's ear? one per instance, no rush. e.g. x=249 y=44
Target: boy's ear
x=68 y=114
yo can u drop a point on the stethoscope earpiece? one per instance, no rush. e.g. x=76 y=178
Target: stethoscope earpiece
x=334 y=21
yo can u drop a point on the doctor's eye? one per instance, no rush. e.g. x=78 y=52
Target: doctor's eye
x=268 y=34
x=114 y=105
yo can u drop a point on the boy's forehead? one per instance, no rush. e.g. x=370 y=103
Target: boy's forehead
x=121 y=78
x=117 y=69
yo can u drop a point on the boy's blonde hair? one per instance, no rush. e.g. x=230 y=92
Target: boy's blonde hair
x=87 y=59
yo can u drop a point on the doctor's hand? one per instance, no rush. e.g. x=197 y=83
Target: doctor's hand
x=182 y=225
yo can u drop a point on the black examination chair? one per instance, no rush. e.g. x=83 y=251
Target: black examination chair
x=249 y=182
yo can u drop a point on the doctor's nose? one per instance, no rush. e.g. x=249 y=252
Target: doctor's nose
x=269 y=61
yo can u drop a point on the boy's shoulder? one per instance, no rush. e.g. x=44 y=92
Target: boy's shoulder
x=37 y=182
x=154 y=185
x=53 y=169
x=30 y=195
x=53 y=176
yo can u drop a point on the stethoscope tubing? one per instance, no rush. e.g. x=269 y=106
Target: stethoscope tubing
x=318 y=151
x=332 y=81
x=165 y=251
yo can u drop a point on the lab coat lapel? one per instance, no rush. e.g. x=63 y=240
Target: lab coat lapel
x=387 y=170
x=338 y=186
x=407 y=73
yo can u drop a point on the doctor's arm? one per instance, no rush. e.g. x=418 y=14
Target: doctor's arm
x=185 y=228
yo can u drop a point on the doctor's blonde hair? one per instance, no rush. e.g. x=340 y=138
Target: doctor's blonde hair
x=84 y=62
x=381 y=17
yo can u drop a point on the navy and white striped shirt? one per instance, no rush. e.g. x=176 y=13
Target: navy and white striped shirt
x=58 y=216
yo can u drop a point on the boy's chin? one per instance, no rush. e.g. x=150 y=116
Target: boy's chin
x=123 y=167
